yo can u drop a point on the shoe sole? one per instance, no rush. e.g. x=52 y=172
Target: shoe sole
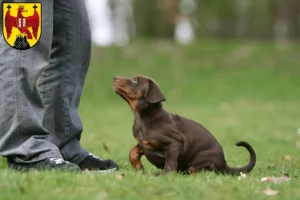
x=106 y=171
x=28 y=168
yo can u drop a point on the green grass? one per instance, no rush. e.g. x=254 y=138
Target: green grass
x=238 y=90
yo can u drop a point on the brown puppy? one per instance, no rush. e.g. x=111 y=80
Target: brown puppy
x=169 y=141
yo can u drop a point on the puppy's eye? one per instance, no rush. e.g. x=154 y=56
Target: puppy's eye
x=134 y=81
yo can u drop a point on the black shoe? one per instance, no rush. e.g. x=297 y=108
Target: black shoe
x=47 y=164
x=94 y=163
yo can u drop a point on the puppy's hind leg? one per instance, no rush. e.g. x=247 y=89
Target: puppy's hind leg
x=202 y=167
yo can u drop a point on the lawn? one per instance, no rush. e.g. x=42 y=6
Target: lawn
x=238 y=90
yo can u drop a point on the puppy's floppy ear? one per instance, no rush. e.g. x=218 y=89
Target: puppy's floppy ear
x=154 y=94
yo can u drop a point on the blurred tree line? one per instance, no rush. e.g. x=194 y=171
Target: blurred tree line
x=250 y=19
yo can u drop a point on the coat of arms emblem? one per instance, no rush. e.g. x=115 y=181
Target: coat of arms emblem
x=22 y=24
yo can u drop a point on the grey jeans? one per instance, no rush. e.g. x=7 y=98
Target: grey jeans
x=40 y=88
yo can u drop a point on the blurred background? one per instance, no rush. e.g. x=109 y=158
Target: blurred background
x=231 y=65
x=120 y=21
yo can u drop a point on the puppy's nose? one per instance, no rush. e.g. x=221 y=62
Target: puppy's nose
x=117 y=78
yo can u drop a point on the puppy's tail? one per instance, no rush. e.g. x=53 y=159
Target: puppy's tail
x=249 y=166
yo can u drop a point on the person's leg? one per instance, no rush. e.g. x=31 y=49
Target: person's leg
x=22 y=136
x=61 y=84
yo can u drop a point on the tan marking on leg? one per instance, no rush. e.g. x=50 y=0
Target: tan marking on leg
x=135 y=157
x=192 y=171
x=150 y=144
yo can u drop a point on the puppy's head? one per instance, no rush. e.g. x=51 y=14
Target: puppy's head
x=138 y=91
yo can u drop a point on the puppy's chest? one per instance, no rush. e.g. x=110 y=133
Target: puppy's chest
x=143 y=138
